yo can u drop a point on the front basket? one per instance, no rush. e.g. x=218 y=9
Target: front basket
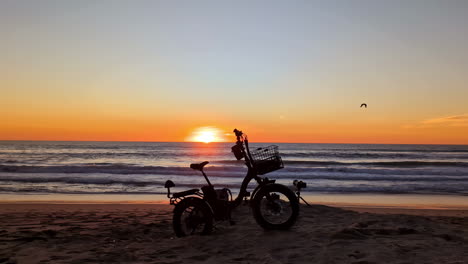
x=267 y=159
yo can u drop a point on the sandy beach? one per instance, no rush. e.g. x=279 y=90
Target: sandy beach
x=142 y=233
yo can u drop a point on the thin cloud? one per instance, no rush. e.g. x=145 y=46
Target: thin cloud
x=457 y=120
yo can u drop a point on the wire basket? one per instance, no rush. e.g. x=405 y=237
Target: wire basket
x=267 y=159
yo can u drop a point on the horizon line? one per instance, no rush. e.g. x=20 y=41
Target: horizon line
x=137 y=141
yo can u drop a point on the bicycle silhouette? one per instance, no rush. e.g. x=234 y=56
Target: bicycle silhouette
x=274 y=206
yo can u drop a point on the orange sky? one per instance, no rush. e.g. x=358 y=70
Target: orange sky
x=297 y=73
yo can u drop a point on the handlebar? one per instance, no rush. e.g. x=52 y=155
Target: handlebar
x=238 y=133
x=241 y=141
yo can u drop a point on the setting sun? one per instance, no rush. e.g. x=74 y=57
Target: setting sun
x=206 y=135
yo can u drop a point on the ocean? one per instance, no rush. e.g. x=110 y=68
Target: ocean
x=83 y=170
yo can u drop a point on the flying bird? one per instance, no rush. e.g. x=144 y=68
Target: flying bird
x=365 y=105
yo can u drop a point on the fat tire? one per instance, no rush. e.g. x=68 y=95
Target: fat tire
x=278 y=188
x=198 y=204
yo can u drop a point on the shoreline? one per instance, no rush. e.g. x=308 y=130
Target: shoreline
x=348 y=201
x=165 y=206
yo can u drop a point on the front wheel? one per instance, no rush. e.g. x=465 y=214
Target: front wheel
x=275 y=206
x=192 y=216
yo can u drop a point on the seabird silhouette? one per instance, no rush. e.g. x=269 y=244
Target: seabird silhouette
x=365 y=105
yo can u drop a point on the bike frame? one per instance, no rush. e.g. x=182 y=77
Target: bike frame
x=243 y=143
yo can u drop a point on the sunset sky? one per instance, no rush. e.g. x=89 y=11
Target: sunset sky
x=282 y=71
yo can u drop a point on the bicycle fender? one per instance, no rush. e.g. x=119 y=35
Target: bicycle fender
x=201 y=200
x=258 y=188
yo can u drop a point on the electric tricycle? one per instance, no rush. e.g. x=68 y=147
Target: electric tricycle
x=274 y=206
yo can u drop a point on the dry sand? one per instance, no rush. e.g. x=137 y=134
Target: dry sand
x=126 y=233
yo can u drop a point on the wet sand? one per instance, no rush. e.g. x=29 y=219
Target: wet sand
x=142 y=233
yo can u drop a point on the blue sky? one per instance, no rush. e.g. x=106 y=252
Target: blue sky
x=304 y=60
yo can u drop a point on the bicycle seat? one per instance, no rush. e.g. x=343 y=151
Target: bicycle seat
x=197 y=166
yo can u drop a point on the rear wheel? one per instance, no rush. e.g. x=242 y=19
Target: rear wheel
x=275 y=206
x=192 y=216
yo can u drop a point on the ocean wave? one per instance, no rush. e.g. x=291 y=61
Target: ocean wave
x=80 y=180
x=408 y=189
x=300 y=168
x=465 y=150
x=402 y=148
x=341 y=154
x=445 y=190
x=114 y=154
x=373 y=155
x=197 y=180
x=304 y=171
x=103 y=168
x=381 y=163
x=402 y=163
x=33 y=190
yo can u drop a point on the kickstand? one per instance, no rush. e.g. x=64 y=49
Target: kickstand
x=300 y=197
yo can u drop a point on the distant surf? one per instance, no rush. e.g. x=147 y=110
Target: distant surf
x=142 y=168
